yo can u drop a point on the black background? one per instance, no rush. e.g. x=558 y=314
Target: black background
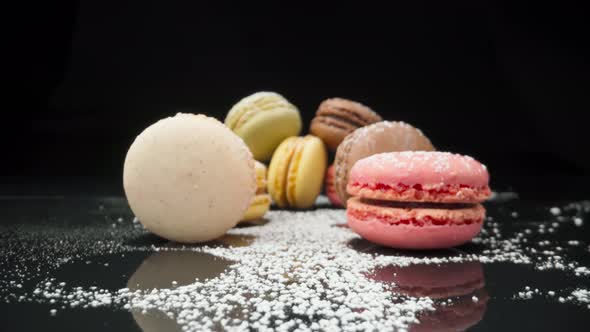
x=507 y=84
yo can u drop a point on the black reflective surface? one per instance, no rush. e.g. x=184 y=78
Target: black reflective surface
x=103 y=248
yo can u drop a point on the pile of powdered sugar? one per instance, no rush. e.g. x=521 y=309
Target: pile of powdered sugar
x=298 y=272
x=301 y=270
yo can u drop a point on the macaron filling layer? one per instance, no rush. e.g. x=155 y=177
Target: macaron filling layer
x=445 y=193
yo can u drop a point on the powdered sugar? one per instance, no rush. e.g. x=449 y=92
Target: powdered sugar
x=582 y=295
x=555 y=211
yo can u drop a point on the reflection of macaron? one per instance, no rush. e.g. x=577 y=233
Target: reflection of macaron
x=163 y=268
x=261 y=201
x=154 y=320
x=183 y=173
x=376 y=138
x=263 y=120
x=330 y=190
x=337 y=117
x=437 y=281
x=296 y=172
x=397 y=195
x=459 y=315
x=452 y=286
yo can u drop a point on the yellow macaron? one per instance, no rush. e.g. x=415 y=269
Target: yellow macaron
x=296 y=172
x=263 y=120
x=261 y=201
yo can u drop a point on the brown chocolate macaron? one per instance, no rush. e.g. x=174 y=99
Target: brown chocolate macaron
x=376 y=138
x=337 y=117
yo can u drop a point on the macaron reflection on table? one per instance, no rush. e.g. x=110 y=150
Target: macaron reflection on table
x=458 y=290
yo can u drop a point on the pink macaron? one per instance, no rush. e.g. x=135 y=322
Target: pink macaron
x=417 y=200
x=330 y=189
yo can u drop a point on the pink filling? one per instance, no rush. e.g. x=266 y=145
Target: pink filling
x=417 y=192
x=425 y=221
x=400 y=188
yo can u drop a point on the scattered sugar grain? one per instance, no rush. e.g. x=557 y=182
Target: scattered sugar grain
x=581 y=295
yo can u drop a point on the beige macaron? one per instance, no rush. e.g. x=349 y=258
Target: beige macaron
x=188 y=178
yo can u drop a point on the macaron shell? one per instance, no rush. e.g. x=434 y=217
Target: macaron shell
x=380 y=137
x=306 y=172
x=330 y=190
x=263 y=120
x=182 y=173
x=420 y=176
x=264 y=131
x=432 y=229
x=350 y=111
x=277 y=171
x=254 y=104
x=337 y=117
x=331 y=131
x=412 y=237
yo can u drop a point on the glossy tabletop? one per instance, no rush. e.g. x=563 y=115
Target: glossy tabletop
x=60 y=255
